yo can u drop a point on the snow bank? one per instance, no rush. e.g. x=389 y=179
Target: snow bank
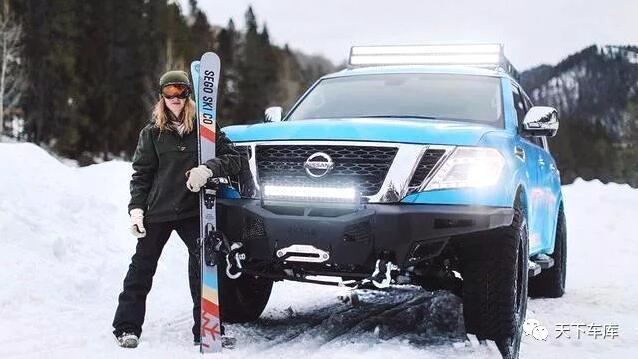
x=65 y=247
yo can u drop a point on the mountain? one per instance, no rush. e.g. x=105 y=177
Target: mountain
x=596 y=93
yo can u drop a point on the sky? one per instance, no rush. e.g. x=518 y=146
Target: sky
x=533 y=32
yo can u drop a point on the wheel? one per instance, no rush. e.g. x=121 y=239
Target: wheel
x=550 y=283
x=243 y=299
x=494 y=271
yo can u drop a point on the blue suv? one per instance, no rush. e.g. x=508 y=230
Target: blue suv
x=423 y=165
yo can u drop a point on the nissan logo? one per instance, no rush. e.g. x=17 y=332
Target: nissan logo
x=318 y=165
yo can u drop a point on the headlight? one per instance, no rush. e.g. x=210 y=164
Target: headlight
x=468 y=167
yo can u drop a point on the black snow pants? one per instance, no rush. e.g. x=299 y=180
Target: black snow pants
x=129 y=315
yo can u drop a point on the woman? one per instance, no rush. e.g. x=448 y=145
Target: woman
x=163 y=199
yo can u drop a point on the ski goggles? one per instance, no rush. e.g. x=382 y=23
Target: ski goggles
x=175 y=91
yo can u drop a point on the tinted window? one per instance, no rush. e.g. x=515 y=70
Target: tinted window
x=518 y=105
x=528 y=102
x=435 y=96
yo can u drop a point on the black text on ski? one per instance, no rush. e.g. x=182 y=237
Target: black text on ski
x=208 y=115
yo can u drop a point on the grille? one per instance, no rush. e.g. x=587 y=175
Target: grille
x=362 y=166
x=254 y=229
x=426 y=164
x=358 y=232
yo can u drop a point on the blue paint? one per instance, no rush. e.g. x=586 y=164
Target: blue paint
x=363 y=129
x=540 y=184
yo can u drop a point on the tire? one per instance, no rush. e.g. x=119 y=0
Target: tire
x=550 y=283
x=243 y=299
x=494 y=270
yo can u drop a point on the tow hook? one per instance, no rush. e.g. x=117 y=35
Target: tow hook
x=382 y=277
x=233 y=261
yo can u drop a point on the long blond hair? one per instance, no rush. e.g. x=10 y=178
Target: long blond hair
x=161 y=116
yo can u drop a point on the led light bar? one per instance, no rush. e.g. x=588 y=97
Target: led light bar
x=478 y=55
x=309 y=194
x=427 y=49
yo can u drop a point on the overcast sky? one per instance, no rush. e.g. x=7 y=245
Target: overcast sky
x=534 y=32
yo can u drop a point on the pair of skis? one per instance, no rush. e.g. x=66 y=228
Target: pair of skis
x=205 y=74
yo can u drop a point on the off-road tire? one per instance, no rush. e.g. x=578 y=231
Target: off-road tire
x=243 y=299
x=494 y=270
x=550 y=283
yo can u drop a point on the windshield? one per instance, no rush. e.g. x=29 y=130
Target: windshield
x=430 y=96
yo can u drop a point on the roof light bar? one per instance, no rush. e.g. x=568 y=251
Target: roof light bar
x=427 y=49
x=478 y=55
x=465 y=59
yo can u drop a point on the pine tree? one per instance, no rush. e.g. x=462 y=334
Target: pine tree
x=257 y=73
x=174 y=29
x=121 y=52
x=227 y=48
x=91 y=69
x=49 y=58
x=10 y=69
x=290 y=82
x=202 y=38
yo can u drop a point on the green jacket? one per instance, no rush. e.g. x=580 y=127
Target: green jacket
x=160 y=163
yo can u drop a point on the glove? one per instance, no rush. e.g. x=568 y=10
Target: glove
x=197 y=177
x=137 y=222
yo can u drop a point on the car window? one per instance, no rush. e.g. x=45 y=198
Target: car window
x=528 y=102
x=522 y=104
x=405 y=96
x=519 y=105
x=539 y=141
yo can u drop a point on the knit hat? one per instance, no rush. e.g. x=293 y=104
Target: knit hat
x=174 y=78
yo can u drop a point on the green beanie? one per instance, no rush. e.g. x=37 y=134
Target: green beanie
x=174 y=77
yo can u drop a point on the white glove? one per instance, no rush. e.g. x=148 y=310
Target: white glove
x=137 y=222
x=197 y=177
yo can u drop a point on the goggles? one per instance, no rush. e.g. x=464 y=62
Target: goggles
x=175 y=90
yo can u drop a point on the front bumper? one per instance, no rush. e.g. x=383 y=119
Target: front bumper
x=406 y=233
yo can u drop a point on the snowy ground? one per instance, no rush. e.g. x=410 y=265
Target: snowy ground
x=65 y=247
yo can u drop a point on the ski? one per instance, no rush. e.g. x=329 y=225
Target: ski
x=205 y=75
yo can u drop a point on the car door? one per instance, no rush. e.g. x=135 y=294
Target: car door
x=549 y=180
x=529 y=146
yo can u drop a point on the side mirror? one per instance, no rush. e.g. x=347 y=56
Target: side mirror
x=273 y=114
x=541 y=121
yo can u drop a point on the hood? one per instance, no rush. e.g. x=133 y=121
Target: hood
x=419 y=131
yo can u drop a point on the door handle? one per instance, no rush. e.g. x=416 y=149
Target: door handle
x=541 y=162
x=520 y=153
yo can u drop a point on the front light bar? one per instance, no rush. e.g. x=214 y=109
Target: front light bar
x=309 y=194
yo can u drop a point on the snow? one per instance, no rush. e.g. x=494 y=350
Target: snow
x=65 y=247
x=612 y=52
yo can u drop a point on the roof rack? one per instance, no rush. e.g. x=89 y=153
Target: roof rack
x=475 y=55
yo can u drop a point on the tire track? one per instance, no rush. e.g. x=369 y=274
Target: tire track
x=423 y=318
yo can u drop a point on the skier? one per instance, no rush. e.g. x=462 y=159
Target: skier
x=164 y=198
